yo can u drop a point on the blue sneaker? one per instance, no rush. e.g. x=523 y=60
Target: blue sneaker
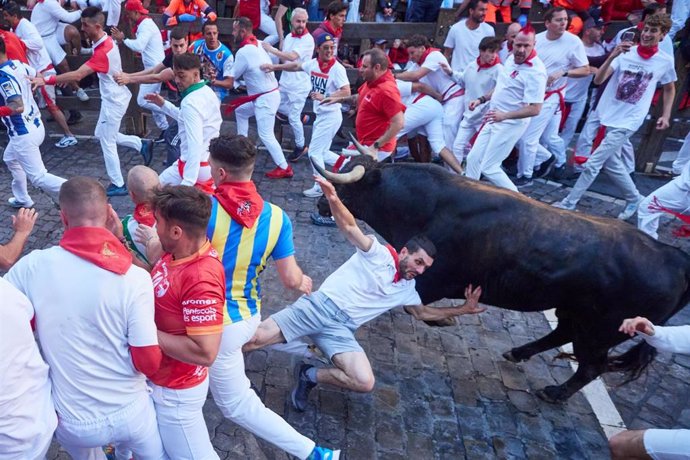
x=147 y=151
x=300 y=394
x=114 y=190
x=322 y=221
x=323 y=453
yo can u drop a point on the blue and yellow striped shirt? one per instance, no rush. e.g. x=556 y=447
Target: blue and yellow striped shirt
x=244 y=253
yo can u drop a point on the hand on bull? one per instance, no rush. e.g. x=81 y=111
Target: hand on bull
x=327 y=188
x=631 y=326
x=471 y=305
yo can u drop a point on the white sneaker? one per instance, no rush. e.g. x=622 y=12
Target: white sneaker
x=630 y=209
x=16 y=204
x=66 y=141
x=81 y=94
x=564 y=204
x=314 y=192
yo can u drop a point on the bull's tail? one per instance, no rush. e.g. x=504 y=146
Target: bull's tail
x=633 y=362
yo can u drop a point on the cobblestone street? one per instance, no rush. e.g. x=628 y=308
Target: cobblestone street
x=441 y=393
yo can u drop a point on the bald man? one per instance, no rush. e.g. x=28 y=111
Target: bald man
x=507 y=47
x=94 y=316
x=142 y=183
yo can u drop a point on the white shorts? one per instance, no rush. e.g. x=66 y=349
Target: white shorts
x=667 y=444
x=55 y=50
x=60 y=32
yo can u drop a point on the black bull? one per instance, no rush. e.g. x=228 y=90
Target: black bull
x=527 y=256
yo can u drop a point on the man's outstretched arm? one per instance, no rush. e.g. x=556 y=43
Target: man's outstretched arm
x=22 y=224
x=471 y=306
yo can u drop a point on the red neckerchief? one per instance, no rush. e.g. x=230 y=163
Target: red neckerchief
x=144 y=215
x=329 y=28
x=304 y=32
x=531 y=56
x=98 y=246
x=326 y=66
x=646 y=52
x=509 y=46
x=425 y=54
x=249 y=40
x=136 y=26
x=394 y=254
x=241 y=201
x=640 y=26
x=496 y=60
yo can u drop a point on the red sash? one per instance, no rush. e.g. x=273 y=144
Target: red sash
x=232 y=105
x=205 y=186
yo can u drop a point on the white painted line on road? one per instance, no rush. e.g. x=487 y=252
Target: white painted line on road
x=609 y=418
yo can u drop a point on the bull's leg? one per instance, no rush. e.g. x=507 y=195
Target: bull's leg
x=560 y=336
x=587 y=371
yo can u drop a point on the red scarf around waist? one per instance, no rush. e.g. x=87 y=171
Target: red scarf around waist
x=241 y=201
x=238 y=101
x=144 y=215
x=98 y=246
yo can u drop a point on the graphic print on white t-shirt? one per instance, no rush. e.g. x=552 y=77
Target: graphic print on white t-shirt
x=632 y=85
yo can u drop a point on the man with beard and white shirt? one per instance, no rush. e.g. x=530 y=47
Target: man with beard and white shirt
x=263 y=98
x=328 y=82
x=426 y=67
x=297 y=47
x=517 y=97
x=462 y=42
x=564 y=55
x=634 y=72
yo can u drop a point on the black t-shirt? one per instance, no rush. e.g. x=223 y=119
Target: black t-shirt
x=168 y=62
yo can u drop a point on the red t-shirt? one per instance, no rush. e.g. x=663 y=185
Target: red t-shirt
x=190 y=295
x=15 y=48
x=379 y=101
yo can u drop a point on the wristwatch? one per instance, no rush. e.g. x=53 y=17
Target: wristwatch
x=376 y=145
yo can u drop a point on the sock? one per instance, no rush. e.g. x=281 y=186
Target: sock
x=311 y=374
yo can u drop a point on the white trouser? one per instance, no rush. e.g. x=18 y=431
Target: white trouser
x=589 y=133
x=452 y=114
x=108 y=133
x=608 y=157
x=683 y=156
x=326 y=126
x=171 y=174
x=577 y=108
x=264 y=108
x=667 y=444
x=292 y=104
x=181 y=422
x=493 y=145
x=353 y=12
x=132 y=428
x=550 y=142
x=158 y=116
x=530 y=156
x=674 y=195
x=268 y=26
x=425 y=114
x=237 y=401
x=23 y=158
x=468 y=128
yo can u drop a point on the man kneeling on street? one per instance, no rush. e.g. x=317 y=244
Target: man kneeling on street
x=374 y=280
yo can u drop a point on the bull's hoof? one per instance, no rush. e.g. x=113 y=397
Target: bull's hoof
x=442 y=322
x=552 y=394
x=508 y=355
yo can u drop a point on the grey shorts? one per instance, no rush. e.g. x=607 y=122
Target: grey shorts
x=317 y=317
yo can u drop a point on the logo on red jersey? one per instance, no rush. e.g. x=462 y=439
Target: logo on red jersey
x=159 y=277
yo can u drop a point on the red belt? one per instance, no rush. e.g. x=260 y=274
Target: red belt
x=419 y=96
x=561 y=97
x=205 y=186
x=244 y=99
x=457 y=93
x=50 y=67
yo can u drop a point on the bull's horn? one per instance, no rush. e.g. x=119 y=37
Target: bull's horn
x=362 y=149
x=341 y=178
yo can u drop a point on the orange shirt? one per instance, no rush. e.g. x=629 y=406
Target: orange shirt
x=190 y=295
x=16 y=49
x=178 y=7
x=378 y=102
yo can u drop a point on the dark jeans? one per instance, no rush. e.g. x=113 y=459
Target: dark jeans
x=423 y=11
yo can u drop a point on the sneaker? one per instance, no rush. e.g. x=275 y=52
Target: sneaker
x=523 y=182
x=323 y=453
x=630 y=209
x=300 y=394
x=314 y=192
x=322 y=221
x=66 y=141
x=16 y=204
x=81 y=94
x=161 y=138
x=146 y=151
x=74 y=118
x=545 y=167
x=297 y=153
x=565 y=204
x=114 y=190
x=558 y=172
x=279 y=173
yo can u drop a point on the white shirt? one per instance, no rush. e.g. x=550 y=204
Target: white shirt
x=198 y=120
x=47 y=14
x=629 y=93
x=325 y=83
x=465 y=42
x=363 y=286
x=297 y=81
x=576 y=88
x=519 y=85
x=106 y=62
x=28 y=416
x=406 y=94
x=674 y=339
x=503 y=53
x=36 y=51
x=247 y=66
x=477 y=82
x=436 y=78
x=148 y=42
x=565 y=53
x=86 y=320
